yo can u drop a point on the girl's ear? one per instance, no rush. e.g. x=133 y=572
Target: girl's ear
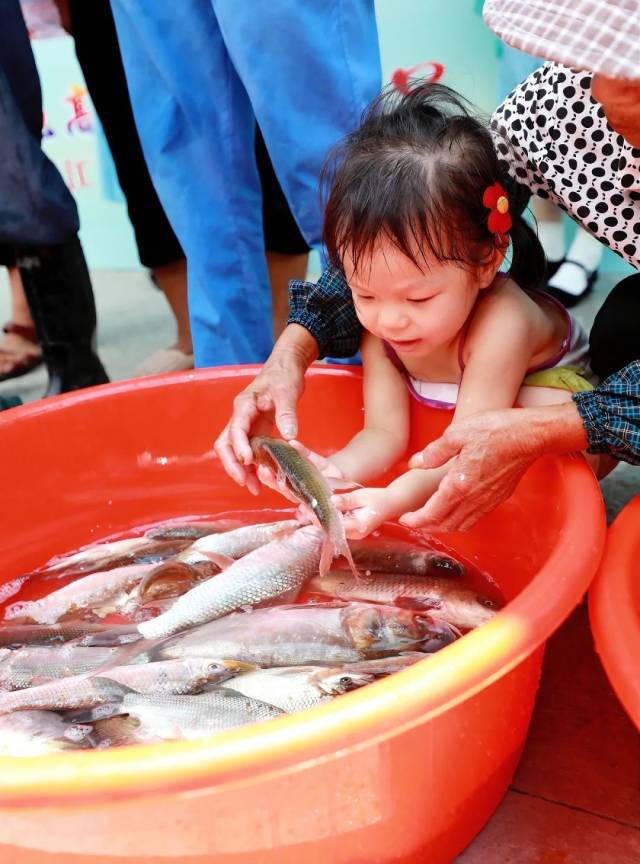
x=487 y=271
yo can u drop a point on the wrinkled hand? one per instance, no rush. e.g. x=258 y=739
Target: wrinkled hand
x=364 y=510
x=272 y=396
x=490 y=453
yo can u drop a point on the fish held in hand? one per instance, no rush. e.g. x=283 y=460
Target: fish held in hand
x=276 y=569
x=323 y=633
x=442 y=599
x=303 y=480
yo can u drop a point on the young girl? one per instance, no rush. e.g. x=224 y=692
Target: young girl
x=420 y=217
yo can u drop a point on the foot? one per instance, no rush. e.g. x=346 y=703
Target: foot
x=163 y=361
x=571 y=282
x=19 y=351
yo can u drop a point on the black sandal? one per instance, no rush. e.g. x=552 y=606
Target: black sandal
x=569 y=300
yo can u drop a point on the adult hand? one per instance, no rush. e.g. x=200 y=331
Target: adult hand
x=272 y=396
x=490 y=453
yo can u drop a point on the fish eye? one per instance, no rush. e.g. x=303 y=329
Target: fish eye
x=215 y=667
x=345 y=681
x=485 y=601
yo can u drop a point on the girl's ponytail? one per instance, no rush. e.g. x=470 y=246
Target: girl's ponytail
x=528 y=261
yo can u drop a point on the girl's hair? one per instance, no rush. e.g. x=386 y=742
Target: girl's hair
x=415 y=172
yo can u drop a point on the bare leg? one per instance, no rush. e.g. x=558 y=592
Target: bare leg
x=172 y=280
x=550 y=228
x=283 y=268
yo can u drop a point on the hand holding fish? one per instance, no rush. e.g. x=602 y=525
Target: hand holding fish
x=271 y=397
x=364 y=510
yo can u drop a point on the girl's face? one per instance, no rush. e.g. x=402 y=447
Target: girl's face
x=416 y=312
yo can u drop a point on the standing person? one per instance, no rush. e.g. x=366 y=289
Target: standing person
x=39 y=220
x=572 y=271
x=201 y=76
x=579 y=146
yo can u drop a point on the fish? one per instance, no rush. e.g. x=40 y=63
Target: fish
x=86 y=594
x=177 y=677
x=383 y=666
x=14 y=636
x=36 y=733
x=302 y=635
x=35 y=664
x=271 y=571
x=209 y=554
x=306 y=483
x=444 y=600
x=295 y=688
x=171 y=717
x=119 y=553
x=173 y=530
x=119 y=731
x=398 y=556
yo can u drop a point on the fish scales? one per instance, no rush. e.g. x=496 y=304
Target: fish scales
x=277 y=568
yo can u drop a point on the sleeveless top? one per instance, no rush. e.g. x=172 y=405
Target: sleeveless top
x=573 y=352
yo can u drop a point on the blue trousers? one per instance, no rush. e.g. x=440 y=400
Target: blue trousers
x=200 y=74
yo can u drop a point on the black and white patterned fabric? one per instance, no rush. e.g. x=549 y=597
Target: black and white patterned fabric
x=553 y=137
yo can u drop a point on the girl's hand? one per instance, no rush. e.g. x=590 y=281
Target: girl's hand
x=364 y=510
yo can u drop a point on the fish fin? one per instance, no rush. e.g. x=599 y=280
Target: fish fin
x=221 y=560
x=346 y=553
x=112 y=690
x=326 y=557
x=417 y=604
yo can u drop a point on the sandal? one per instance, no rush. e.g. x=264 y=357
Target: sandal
x=23 y=361
x=568 y=300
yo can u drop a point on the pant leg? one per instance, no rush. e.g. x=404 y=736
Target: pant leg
x=98 y=53
x=310 y=68
x=614 y=341
x=35 y=204
x=197 y=130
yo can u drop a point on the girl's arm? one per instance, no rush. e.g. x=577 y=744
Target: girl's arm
x=499 y=351
x=385 y=435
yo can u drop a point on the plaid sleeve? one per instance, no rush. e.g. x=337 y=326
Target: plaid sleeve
x=611 y=414
x=326 y=310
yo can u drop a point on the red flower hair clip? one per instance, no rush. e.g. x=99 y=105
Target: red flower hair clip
x=495 y=199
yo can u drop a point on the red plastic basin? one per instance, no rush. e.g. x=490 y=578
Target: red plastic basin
x=406 y=770
x=614 y=608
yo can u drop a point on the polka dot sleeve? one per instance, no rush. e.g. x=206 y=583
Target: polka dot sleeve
x=553 y=137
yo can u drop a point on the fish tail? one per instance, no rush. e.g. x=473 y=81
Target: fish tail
x=326 y=557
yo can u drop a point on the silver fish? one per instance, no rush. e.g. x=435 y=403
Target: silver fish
x=215 y=551
x=276 y=569
x=309 y=487
x=175 y=717
x=36 y=733
x=83 y=595
x=398 y=556
x=108 y=556
x=443 y=599
x=294 y=688
x=16 y=635
x=119 y=731
x=178 y=677
x=173 y=530
x=324 y=633
x=39 y=663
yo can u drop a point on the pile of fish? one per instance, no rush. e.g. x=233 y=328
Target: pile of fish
x=193 y=627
